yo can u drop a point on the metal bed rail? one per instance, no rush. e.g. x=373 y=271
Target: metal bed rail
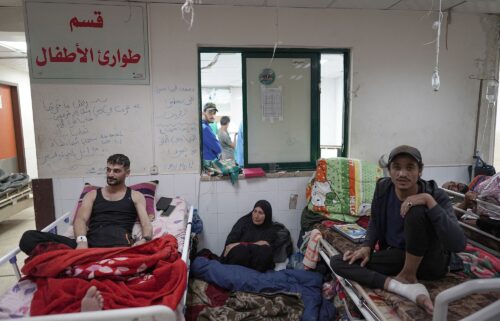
x=479 y=201
x=326 y=251
x=151 y=313
x=462 y=290
x=11 y=256
x=186 y=250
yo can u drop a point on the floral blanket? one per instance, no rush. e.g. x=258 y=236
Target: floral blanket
x=144 y=275
x=479 y=263
x=342 y=188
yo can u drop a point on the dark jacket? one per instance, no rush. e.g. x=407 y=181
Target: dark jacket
x=441 y=216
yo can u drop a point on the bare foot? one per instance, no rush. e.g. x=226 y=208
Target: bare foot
x=92 y=301
x=425 y=303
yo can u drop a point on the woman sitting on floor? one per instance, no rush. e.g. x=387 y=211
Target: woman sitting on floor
x=252 y=239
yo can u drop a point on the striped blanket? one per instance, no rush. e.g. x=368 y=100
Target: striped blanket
x=342 y=188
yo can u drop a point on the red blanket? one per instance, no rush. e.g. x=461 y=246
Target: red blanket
x=145 y=275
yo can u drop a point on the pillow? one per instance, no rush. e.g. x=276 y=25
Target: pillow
x=148 y=189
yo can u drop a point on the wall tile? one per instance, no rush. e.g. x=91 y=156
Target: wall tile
x=284 y=200
x=166 y=186
x=209 y=241
x=259 y=184
x=301 y=201
x=226 y=222
x=207 y=188
x=131 y=180
x=208 y=203
x=67 y=206
x=249 y=199
x=287 y=184
x=58 y=207
x=227 y=203
x=288 y=218
x=184 y=184
x=210 y=223
x=225 y=186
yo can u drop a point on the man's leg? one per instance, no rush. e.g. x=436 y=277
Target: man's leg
x=374 y=274
x=32 y=238
x=424 y=257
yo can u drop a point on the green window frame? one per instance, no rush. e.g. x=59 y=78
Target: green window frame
x=315 y=88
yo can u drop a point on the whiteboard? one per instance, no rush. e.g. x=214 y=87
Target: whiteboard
x=176 y=128
x=78 y=126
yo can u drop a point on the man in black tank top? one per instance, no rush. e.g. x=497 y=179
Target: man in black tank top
x=106 y=216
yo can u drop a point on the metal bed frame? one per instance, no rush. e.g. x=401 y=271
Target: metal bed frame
x=371 y=313
x=15 y=201
x=152 y=313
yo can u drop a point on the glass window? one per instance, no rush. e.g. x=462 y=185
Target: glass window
x=286 y=109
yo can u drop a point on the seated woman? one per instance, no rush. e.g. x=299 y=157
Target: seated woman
x=252 y=239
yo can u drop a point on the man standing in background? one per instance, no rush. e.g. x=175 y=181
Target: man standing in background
x=211 y=146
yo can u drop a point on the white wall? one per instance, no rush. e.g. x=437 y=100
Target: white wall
x=22 y=81
x=392 y=101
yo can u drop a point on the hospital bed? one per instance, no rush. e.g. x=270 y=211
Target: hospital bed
x=475 y=235
x=339 y=181
x=379 y=305
x=146 y=313
x=14 y=200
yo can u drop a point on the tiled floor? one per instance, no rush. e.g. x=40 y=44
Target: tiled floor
x=10 y=233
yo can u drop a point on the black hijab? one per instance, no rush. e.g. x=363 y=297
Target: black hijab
x=267 y=209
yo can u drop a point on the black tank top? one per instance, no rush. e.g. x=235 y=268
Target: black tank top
x=120 y=213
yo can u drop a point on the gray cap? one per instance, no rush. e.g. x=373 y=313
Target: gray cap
x=407 y=150
x=209 y=106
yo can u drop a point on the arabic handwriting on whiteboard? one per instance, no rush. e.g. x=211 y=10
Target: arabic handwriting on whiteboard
x=72 y=136
x=176 y=130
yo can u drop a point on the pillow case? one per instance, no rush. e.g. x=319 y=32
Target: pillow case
x=148 y=189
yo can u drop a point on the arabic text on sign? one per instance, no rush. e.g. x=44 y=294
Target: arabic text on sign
x=99 y=23
x=103 y=58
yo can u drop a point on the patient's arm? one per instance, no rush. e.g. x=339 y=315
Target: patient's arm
x=140 y=206
x=82 y=217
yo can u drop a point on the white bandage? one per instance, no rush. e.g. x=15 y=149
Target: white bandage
x=409 y=291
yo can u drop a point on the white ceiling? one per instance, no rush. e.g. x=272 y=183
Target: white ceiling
x=473 y=6
x=468 y=6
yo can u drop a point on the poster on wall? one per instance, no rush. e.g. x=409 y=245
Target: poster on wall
x=85 y=42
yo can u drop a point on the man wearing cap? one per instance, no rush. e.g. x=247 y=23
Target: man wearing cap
x=415 y=227
x=211 y=146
